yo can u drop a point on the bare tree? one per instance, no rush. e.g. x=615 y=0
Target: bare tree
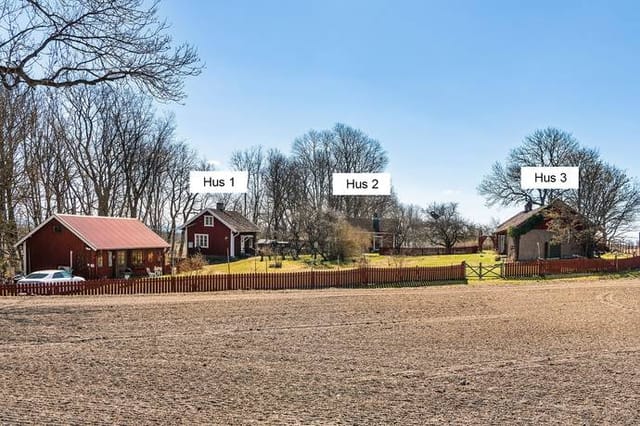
x=51 y=176
x=355 y=152
x=608 y=198
x=277 y=178
x=445 y=225
x=92 y=141
x=250 y=160
x=549 y=147
x=312 y=154
x=17 y=122
x=181 y=203
x=62 y=43
x=408 y=224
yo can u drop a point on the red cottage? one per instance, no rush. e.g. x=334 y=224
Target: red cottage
x=218 y=233
x=93 y=246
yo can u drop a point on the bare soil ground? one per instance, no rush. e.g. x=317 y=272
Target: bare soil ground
x=559 y=352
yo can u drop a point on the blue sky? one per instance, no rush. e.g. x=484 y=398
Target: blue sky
x=447 y=87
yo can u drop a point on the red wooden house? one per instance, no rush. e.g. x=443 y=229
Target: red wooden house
x=93 y=246
x=220 y=233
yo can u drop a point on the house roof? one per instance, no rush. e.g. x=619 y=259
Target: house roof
x=521 y=217
x=386 y=226
x=235 y=221
x=106 y=233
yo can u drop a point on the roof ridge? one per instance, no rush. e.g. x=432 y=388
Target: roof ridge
x=96 y=216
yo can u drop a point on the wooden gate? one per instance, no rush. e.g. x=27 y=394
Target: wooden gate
x=481 y=271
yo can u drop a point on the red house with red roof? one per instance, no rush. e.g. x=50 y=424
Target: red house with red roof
x=93 y=246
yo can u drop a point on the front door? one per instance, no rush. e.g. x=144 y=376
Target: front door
x=121 y=263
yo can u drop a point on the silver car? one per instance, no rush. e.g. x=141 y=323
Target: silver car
x=49 y=276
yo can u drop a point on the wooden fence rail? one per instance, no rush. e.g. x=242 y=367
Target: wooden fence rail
x=350 y=278
x=568 y=266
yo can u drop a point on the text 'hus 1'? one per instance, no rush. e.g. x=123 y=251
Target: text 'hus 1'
x=218 y=182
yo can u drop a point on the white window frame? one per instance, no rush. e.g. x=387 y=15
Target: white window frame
x=201 y=238
x=207 y=222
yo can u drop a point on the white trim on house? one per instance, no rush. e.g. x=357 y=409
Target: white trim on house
x=211 y=217
x=24 y=256
x=232 y=249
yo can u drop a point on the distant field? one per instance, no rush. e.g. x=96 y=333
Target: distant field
x=305 y=263
x=553 y=353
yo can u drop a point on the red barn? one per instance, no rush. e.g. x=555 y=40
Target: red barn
x=93 y=246
x=218 y=233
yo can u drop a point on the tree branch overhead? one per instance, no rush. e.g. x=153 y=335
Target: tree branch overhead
x=62 y=43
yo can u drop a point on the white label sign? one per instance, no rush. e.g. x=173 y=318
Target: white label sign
x=361 y=184
x=218 y=182
x=550 y=177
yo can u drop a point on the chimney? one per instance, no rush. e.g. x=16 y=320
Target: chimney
x=220 y=206
x=528 y=206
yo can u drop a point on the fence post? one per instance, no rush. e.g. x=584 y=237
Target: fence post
x=480 y=270
x=464 y=270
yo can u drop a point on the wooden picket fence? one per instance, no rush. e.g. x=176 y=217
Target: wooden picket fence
x=543 y=268
x=349 y=278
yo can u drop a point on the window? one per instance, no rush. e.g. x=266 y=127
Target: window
x=57 y=228
x=36 y=276
x=99 y=260
x=201 y=240
x=58 y=275
x=150 y=256
x=136 y=257
x=208 y=220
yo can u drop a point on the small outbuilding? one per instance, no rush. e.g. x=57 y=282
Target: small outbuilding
x=220 y=233
x=93 y=246
x=526 y=236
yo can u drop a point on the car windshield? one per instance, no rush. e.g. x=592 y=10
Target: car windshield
x=37 y=275
x=64 y=274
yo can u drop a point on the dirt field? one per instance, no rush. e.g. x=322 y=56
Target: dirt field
x=560 y=352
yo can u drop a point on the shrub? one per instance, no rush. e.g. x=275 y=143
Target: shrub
x=349 y=241
x=192 y=264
